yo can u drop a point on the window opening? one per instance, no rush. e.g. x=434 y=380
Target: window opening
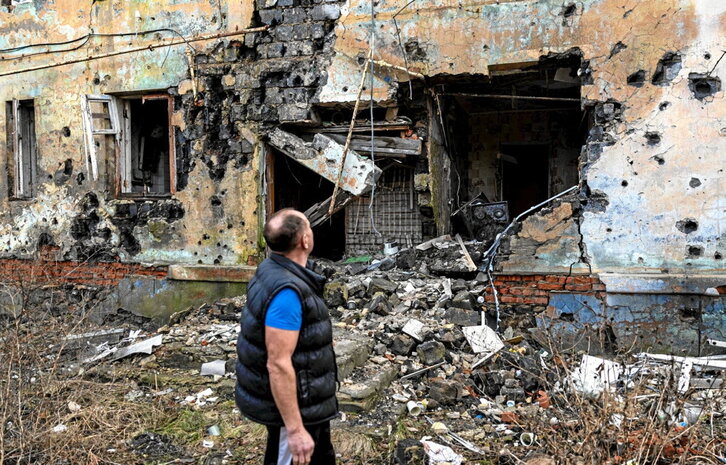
x=298 y=187
x=22 y=142
x=146 y=158
x=137 y=131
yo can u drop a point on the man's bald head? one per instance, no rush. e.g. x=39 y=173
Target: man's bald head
x=283 y=230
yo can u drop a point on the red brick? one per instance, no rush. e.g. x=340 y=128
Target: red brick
x=550 y=286
x=578 y=287
x=540 y=300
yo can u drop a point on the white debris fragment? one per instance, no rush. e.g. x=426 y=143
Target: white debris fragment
x=143 y=347
x=73 y=407
x=415 y=329
x=200 y=398
x=594 y=375
x=440 y=454
x=482 y=339
x=60 y=428
x=216 y=367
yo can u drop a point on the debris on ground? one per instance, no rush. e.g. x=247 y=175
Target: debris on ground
x=423 y=376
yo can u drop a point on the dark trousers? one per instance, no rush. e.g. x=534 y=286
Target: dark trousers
x=277 y=452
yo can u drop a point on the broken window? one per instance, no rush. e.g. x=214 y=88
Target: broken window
x=100 y=120
x=147 y=156
x=139 y=128
x=22 y=144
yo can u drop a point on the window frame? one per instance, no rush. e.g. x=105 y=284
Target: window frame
x=15 y=131
x=121 y=129
x=123 y=154
x=89 y=130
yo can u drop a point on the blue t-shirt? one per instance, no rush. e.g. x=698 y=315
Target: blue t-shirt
x=285 y=311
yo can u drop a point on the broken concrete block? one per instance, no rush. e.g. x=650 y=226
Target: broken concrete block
x=444 y=391
x=270 y=17
x=431 y=352
x=381 y=285
x=463 y=299
x=335 y=294
x=324 y=155
x=402 y=345
x=379 y=304
x=293 y=112
x=462 y=316
x=350 y=353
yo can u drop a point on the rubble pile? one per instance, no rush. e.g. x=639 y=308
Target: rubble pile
x=424 y=378
x=507 y=397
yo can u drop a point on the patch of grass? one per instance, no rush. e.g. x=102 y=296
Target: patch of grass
x=350 y=444
x=187 y=427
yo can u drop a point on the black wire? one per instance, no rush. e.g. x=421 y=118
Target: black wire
x=403 y=51
x=86 y=38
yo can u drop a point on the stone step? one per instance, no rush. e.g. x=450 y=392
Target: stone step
x=360 y=391
x=351 y=352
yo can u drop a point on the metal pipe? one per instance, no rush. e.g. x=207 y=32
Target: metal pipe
x=509 y=97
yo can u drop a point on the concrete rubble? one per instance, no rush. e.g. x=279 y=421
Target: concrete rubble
x=415 y=354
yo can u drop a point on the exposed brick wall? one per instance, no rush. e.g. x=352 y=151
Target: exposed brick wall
x=536 y=289
x=48 y=271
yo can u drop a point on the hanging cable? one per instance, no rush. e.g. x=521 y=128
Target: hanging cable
x=403 y=50
x=373 y=153
x=85 y=38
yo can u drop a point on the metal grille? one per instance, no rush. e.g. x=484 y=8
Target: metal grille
x=395 y=214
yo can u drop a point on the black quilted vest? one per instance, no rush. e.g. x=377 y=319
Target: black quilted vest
x=313 y=359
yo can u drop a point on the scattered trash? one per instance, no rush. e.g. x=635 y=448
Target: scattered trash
x=440 y=454
x=200 y=398
x=60 y=428
x=217 y=368
x=482 y=339
x=214 y=430
x=595 y=374
x=414 y=408
x=143 y=347
x=414 y=328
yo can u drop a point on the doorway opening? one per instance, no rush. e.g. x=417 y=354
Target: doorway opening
x=295 y=186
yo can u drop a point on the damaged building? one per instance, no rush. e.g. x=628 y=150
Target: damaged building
x=578 y=147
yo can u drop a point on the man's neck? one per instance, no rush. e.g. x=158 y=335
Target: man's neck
x=297 y=256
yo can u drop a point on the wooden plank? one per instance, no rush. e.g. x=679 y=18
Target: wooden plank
x=393 y=146
x=471 y=266
x=361 y=126
x=319 y=212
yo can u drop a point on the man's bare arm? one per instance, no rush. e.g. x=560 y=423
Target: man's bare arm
x=280 y=347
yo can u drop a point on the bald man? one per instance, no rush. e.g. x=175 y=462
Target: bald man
x=286 y=371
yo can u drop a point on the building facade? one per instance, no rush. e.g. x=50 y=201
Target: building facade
x=145 y=142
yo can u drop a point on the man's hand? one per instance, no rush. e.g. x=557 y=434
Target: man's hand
x=301 y=446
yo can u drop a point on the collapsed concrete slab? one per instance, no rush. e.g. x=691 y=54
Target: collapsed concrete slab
x=324 y=156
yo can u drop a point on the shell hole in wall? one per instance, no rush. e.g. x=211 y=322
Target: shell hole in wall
x=694 y=251
x=513 y=146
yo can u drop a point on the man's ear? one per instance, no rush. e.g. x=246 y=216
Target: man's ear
x=304 y=241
